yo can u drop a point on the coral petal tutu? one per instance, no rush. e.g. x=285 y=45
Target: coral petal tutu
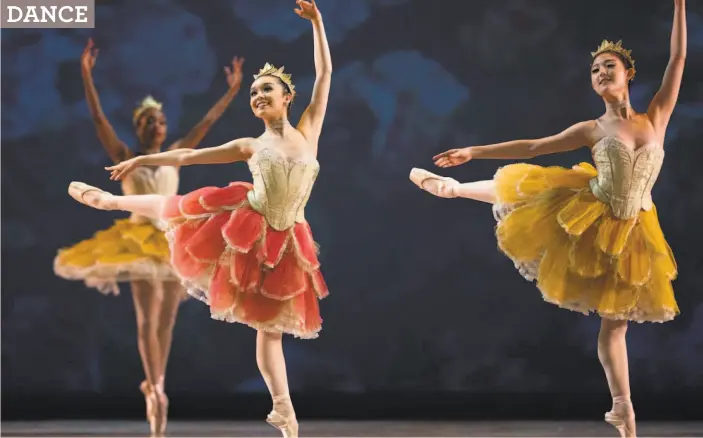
x=228 y=256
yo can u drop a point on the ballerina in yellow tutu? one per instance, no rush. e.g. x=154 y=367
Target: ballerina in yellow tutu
x=135 y=249
x=589 y=236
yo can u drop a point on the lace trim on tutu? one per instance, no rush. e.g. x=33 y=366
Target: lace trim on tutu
x=104 y=277
x=635 y=314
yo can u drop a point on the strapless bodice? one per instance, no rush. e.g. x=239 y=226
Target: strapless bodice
x=626 y=176
x=282 y=186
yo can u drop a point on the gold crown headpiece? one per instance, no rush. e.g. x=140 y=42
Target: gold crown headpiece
x=609 y=46
x=148 y=103
x=270 y=70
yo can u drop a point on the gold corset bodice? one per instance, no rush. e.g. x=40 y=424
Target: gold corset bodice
x=282 y=186
x=625 y=176
x=162 y=180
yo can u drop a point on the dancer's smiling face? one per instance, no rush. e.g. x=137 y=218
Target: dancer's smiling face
x=269 y=98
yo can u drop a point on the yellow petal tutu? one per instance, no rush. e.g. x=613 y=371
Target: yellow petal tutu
x=126 y=251
x=583 y=257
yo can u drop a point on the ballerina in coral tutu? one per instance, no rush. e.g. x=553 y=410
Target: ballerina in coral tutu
x=589 y=236
x=246 y=249
x=136 y=249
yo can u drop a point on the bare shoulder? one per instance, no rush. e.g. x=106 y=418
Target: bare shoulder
x=649 y=129
x=247 y=146
x=644 y=120
x=309 y=145
x=248 y=141
x=586 y=131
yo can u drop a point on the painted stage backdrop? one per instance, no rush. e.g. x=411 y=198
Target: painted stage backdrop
x=421 y=299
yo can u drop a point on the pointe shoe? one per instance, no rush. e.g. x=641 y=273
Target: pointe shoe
x=158 y=413
x=445 y=187
x=286 y=424
x=622 y=417
x=77 y=190
x=164 y=413
x=146 y=390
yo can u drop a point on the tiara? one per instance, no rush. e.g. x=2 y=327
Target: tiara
x=609 y=46
x=148 y=103
x=270 y=70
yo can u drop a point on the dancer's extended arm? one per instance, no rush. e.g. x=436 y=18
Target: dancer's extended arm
x=236 y=150
x=116 y=148
x=572 y=138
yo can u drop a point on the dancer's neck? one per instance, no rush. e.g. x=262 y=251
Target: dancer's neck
x=277 y=126
x=619 y=108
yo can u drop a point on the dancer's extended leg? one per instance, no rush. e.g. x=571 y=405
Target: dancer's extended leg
x=445 y=187
x=145 y=205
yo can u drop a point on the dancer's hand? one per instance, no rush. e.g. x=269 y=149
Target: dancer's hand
x=121 y=170
x=90 y=54
x=234 y=74
x=453 y=157
x=307 y=10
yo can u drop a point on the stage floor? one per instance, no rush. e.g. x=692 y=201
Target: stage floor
x=346 y=429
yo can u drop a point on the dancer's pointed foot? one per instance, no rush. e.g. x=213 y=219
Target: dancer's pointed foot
x=158 y=411
x=441 y=186
x=282 y=417
x=146 y=390
x=622 y=417
x=91 y=196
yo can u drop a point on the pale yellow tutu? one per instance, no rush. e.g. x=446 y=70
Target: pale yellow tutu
x=583 y=257
x=126 y=251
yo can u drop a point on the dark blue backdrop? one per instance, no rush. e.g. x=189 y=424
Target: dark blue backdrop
x=421 y=299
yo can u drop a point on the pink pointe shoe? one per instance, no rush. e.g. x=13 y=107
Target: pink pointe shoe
x=156 y=409
x=622 y=417
x=442 y=186
x=282 y=417
x=77 y=190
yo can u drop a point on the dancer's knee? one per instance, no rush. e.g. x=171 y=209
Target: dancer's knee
x=610 y=328
x=267 y=344
x=269 y=336
x=146 y=306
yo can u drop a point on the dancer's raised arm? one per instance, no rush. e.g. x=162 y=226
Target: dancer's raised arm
x=116 y=148
x=196 y=135
x=311 y=121
x=662 y=105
